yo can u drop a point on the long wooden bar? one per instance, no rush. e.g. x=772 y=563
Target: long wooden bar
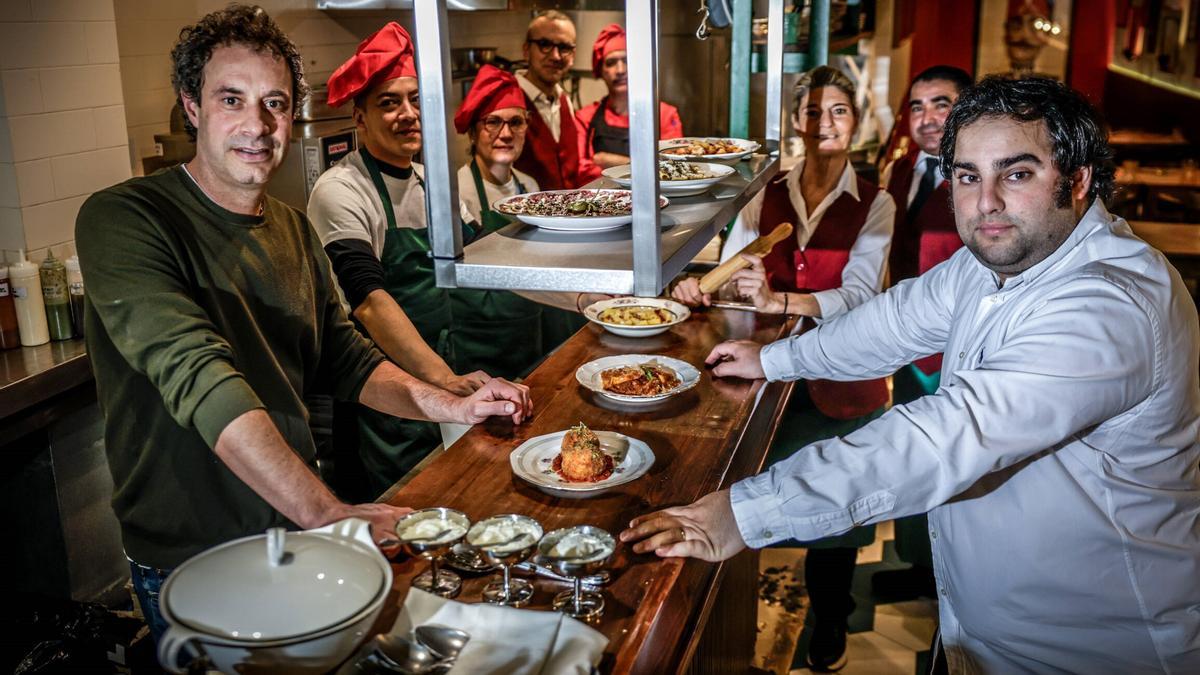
x=703 y=440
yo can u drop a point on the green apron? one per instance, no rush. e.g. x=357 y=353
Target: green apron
x=802 y=424
x=391 y=446
x=498 y=332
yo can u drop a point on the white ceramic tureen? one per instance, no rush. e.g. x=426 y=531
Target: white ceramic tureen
x=295 y=602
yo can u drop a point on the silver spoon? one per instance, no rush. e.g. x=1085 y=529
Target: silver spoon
x=501 y=545
x=403 y=655
x=444 y=641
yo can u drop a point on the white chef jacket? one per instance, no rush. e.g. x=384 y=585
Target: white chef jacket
x=862 y=277
x=1058 y=459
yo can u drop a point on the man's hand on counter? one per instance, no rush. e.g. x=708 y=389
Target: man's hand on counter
x=736 y=358
x=497 y=397
x=382 y=517
x=705 y=529
x=465 y=385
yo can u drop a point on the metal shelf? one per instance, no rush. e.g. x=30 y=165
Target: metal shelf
x=639 y=259
x=523 y=257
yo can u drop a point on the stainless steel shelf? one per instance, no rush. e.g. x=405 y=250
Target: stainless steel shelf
x=523 y=257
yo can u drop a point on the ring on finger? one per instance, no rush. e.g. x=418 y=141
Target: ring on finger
x=682 y=534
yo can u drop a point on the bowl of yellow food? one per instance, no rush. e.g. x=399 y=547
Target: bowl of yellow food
x=637 y=317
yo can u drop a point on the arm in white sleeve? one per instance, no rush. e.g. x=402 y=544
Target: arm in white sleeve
x=1085 y=355
x=910 y=320
x=862 y=277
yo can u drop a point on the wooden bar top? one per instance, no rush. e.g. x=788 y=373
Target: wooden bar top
x=703 y=440
x=30 y=375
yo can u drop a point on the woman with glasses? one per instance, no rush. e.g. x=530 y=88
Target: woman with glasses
x=835 y=262
x=499 y=331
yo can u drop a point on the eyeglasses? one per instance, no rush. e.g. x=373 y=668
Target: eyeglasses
x=493 y=125
x=545 y=46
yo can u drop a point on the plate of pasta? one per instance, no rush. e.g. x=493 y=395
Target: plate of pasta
x=637 y=378
x=637 y=317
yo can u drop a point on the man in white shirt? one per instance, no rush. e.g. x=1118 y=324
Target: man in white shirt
x=555 y=144
x=1058 y=459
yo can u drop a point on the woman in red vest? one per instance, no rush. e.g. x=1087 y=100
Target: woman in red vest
x=835 y=262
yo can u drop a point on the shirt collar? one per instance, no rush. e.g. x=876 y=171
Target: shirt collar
x=922 y=156
x=531 y=90
x=847 y=183
x=1093 y=219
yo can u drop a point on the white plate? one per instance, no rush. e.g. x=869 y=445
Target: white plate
x=681 y=312
x=747 y=147
x=532 y=462
x=589 y=375
x=570 y=223
x=675 y=188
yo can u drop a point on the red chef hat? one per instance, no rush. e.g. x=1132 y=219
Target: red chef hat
x=610 y=39
x=386 y=55
x=493 y=89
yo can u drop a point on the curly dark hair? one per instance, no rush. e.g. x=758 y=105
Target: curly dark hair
x=247 y=25
x=1078 y=134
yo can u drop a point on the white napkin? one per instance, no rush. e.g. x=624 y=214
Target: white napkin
x=507 y=640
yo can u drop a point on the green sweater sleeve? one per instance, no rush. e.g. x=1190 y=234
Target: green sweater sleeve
x=137 y=285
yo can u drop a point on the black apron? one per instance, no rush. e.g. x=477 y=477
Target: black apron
x=604 y=137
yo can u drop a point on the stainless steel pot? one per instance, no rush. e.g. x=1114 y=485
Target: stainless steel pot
x=298 y=602
x=467 y=60
x=315 y=107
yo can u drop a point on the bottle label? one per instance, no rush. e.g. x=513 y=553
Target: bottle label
x=4 y=289
x=54 y=285
x=77 y=288
x=20 y=292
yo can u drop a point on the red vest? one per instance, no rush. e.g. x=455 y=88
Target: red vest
x=553 y=164
x=920 y=245
x=818 y=267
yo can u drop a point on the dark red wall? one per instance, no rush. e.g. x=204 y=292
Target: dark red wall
x=943 y=33
x=1093 y=27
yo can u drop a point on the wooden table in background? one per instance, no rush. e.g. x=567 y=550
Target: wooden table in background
x=658 y=611
x=1168 y=177
x=1180 y=242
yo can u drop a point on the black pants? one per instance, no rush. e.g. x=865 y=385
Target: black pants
x=828 y=574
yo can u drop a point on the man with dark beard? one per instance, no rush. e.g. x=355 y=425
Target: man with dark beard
x=1058 y=459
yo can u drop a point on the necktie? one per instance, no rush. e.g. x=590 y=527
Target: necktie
x=928 y=181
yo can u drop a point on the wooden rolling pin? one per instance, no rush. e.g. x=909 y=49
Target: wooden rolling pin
x=715 y=279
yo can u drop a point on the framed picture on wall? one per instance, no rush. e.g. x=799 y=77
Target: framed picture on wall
x=1024 y=37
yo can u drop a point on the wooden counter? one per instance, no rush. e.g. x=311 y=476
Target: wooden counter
x=703 y=440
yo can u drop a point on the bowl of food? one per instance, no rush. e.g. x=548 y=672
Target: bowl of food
x=676 y=177
x=578 y=462
x=637 y=378
x=723 y=150
x=637 y=317
x=592 y=210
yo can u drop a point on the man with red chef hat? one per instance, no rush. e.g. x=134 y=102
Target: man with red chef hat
x=555 y=155
x=608 y=133
x=369 y=212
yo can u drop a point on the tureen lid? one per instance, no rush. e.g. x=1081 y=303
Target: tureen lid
x=277 y=586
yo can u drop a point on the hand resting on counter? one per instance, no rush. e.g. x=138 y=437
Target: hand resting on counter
x=705 y=529
x=736 y=358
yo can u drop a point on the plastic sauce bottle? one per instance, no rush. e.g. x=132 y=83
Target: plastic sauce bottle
x=10 y=336
x=58 y=301
x=26 y=287
x=75 y=288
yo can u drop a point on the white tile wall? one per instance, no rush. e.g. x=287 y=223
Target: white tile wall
x=73 y=10
x=81 y=87
x=41 y=45
x=51 y=223
x=50 y=134
x=15 y=10
x=110 y=126
x=35 y=181
x=63 y=133
x=22 y=92
x=10 y=197
x=101 y=39
x=87 y=172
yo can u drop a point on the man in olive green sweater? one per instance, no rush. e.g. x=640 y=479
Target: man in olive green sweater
x=212 y=313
